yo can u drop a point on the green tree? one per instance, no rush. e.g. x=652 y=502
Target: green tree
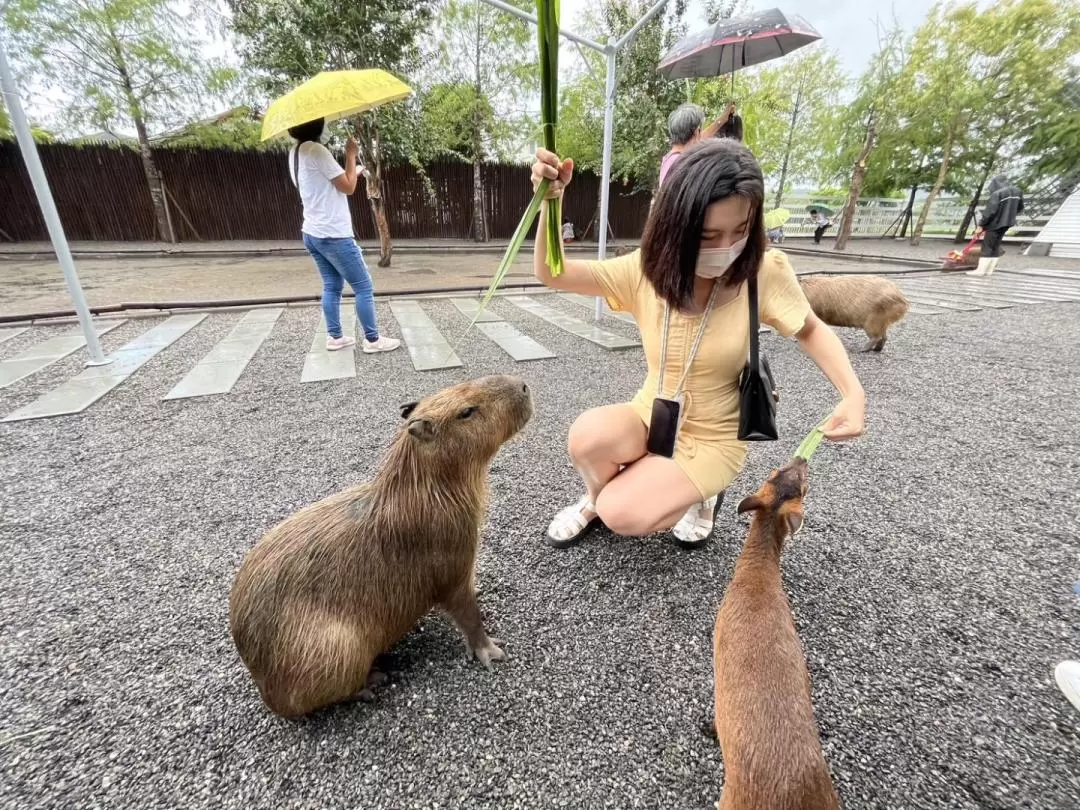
x=240 y=130
x=7 y=129
x=1051 y=145
x=119 y=63
x=1024 y=49
x=643 y=98
x=977 y=90
x=939 y=91
x=784 y=108
x=851 y=132
x=487 y=63
x=285 y=42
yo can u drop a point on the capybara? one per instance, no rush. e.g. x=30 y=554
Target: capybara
x=871 y=303
x=764 y=718
x=342 y=580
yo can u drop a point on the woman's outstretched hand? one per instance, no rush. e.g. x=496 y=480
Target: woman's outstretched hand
x=548 y=166
x=848 y=419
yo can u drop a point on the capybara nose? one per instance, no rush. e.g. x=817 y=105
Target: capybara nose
x=524 y=388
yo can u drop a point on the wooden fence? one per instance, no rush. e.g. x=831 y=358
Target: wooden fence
x=102 y=195
x=212 y=195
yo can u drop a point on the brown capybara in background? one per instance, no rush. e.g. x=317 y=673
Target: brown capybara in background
x=342 y=580
x=870 y=303
x=764 y=716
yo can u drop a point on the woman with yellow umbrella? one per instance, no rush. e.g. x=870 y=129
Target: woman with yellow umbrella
x=324 y=186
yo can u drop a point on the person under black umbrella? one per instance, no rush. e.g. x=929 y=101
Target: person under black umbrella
x=685 y=128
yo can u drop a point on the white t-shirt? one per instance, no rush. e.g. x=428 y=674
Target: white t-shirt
x=326 y=210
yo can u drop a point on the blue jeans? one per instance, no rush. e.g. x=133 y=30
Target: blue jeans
x=340 y=260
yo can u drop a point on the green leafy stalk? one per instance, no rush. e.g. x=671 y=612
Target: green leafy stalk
x=508 y=257
x=547 y=15
x=811 y=442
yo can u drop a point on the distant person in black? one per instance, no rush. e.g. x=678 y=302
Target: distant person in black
x=1004 y=203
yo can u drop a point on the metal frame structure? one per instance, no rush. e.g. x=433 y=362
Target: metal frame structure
x=610 y=51
x=48 y=208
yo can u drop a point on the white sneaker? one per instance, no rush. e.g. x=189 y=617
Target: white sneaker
x=1067 y=675
x=383 y=344
x=343 y=342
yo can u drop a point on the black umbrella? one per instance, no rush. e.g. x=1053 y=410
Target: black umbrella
x=736 y=43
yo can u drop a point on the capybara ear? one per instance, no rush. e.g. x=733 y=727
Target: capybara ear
x=422 y=429
x=794 y=520
x=750 y=503
x=407 y=409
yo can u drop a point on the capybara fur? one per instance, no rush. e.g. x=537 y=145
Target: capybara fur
x=870 y=303
x=340 y=581
x=764 y=717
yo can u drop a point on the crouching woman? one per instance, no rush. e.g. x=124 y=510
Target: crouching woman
x=686 y=288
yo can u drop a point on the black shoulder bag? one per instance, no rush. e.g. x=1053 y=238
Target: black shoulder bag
x=757 y=390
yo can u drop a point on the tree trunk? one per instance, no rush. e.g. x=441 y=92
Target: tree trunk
x=153 y=180
x=479 y=218
x=153 y=176
x=946 y=158
x=372 y=150
x=858 y=175
x=479 y=223
x=961 y=232
x=787 y=149
x=908 y=210
x=378 y=214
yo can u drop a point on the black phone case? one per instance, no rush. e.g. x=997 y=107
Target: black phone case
x=663 y=427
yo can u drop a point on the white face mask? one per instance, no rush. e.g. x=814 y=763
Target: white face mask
x=714 y=262
x=324 y=136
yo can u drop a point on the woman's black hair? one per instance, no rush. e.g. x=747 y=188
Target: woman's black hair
x=303 y=133
x=732 y=128
x=308 y=131
x=711 y=170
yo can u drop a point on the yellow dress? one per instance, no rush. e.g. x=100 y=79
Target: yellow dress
x=707 y=449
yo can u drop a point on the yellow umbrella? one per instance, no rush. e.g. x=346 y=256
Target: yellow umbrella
x=776 y=218
x=332 y=94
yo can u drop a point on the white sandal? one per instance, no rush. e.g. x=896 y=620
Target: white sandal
x=696 y=526
x=571 y=524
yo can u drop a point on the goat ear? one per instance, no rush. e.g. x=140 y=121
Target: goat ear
x=422 y=429
x=794 y=520
x=750 y=503
x=407 y=409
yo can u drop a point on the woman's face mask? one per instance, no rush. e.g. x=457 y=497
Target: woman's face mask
x=714 y=262
x=324 y=136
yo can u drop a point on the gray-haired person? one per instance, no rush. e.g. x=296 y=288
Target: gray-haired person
x=685 y=128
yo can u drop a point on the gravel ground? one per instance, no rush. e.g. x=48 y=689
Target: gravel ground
x=932 y=588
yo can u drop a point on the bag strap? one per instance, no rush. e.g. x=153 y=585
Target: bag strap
x=755 y=345
x=296 y=169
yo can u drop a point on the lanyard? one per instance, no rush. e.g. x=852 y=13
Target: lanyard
x=693 y=350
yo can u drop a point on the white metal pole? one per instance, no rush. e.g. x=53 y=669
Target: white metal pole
x=605 y=173
x=48 y=207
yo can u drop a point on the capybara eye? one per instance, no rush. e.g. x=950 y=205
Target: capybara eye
x=466 y=413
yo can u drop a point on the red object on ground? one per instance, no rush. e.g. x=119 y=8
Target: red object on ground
x=962 y=259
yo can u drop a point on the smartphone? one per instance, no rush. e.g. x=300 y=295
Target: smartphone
x=663 y=427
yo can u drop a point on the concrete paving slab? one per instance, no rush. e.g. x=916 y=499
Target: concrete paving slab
x=320 y=363
x=219 y=370
x=43 y=354
x=86 y=388
x=575 y=326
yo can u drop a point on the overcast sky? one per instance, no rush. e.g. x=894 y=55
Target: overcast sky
x=846 y=26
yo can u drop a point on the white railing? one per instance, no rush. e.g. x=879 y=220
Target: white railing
x=876 y=215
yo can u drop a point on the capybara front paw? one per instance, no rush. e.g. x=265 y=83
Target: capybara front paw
x=489 y=652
